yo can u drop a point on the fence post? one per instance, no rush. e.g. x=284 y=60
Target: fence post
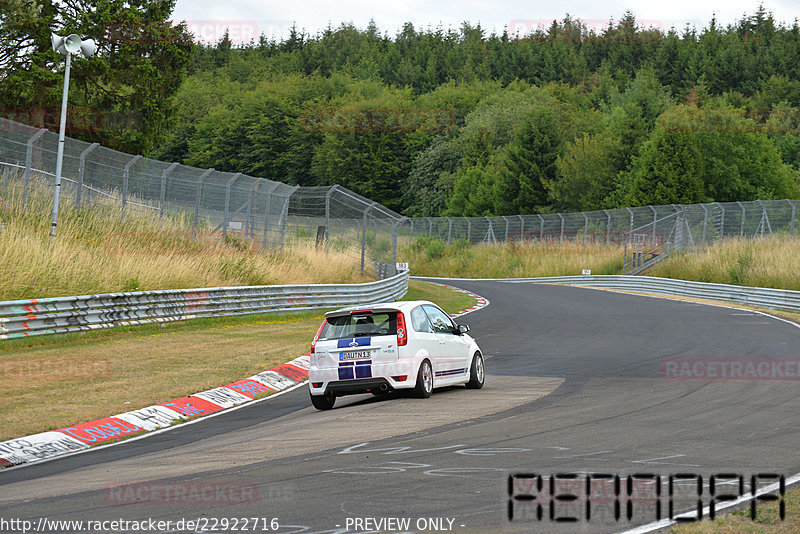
x=655 y=218
x=522 y=226
x=561 y=237
x=506 y=220
x=395 y=227
x=585 y=226
x=364 y=237
x=469 y=229
x=81 y=172
x=268 y=205
x=449 y=229
x=631 y=212
x=249 y=231
x=328 y=214
x=791 y=232
x=705 y=220
x=162 y=200
x=197 y=199
x=285 y=217
x=541 y=226
x=411 y=233
x=722 y=223
x=741 y=228
x=608 y=227
x=28 y=164
x=126 y=173
x=226 y=217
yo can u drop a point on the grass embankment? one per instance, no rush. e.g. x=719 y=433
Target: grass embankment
x=771 y=262
x=430 y=257
x=98 y=252
x=767 y=520
x=50 y=382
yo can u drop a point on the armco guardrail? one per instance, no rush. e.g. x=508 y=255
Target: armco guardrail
x=20 y=318
x=765 y=297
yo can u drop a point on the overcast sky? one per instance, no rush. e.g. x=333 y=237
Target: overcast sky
x=209 y=18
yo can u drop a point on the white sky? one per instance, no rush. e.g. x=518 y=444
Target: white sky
x=245 y=18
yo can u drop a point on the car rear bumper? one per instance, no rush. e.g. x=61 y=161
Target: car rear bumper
x=351 y=380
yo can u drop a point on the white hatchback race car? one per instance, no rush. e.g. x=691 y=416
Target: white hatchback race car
x=380 y=348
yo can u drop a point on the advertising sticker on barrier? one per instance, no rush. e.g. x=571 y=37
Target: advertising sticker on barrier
x=223 y=396
x=192 y=406
x=152 y=417
x=38 y=447
x=101 y=430
x=250 y=388
x=273 y=380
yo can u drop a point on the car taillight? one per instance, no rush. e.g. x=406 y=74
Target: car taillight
x=314 y=343
x=402 y=335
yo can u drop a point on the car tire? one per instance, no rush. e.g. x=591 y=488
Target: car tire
x=323 y=402
x=477 y=372
x=424 y=386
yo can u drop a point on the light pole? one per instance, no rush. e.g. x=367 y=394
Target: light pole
x=68 y=45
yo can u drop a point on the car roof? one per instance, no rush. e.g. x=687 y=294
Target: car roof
x=404 y=306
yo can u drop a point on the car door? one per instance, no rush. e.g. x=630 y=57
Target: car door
x=455 y=349
x=425 y=338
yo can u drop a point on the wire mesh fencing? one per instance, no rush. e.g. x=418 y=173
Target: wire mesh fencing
x=274 y=214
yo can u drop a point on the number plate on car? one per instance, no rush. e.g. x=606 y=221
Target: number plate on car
x=356 y=355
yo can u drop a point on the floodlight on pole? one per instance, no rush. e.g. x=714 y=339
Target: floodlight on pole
x=71 y=44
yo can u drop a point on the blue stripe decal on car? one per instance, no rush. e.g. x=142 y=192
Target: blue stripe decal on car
x=346 y=371
x=451 y=372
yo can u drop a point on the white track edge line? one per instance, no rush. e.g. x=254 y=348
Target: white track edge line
x=655 y=525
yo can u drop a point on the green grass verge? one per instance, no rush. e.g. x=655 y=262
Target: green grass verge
x=767 y=520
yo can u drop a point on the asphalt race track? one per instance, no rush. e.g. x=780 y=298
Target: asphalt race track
x=575 y=386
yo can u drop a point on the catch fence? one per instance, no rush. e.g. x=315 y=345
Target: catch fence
x=274 y=214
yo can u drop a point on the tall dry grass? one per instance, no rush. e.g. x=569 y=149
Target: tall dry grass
x=771 y=262
x=430 y=257
x=97 y=252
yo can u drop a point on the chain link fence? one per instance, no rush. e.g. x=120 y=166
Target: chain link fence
x=275 y=214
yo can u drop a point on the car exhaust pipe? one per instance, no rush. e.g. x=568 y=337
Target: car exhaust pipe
x=384 y=387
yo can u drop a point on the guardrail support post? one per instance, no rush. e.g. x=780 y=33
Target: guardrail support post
x=28 y=164
x=226 y=217
x=82 y=172
x=162 y=200
x=126 y=173
x=197 y=199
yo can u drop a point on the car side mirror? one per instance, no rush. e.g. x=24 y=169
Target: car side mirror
x=463 y=328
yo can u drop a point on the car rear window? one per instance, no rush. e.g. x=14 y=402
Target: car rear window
x=362 y=325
